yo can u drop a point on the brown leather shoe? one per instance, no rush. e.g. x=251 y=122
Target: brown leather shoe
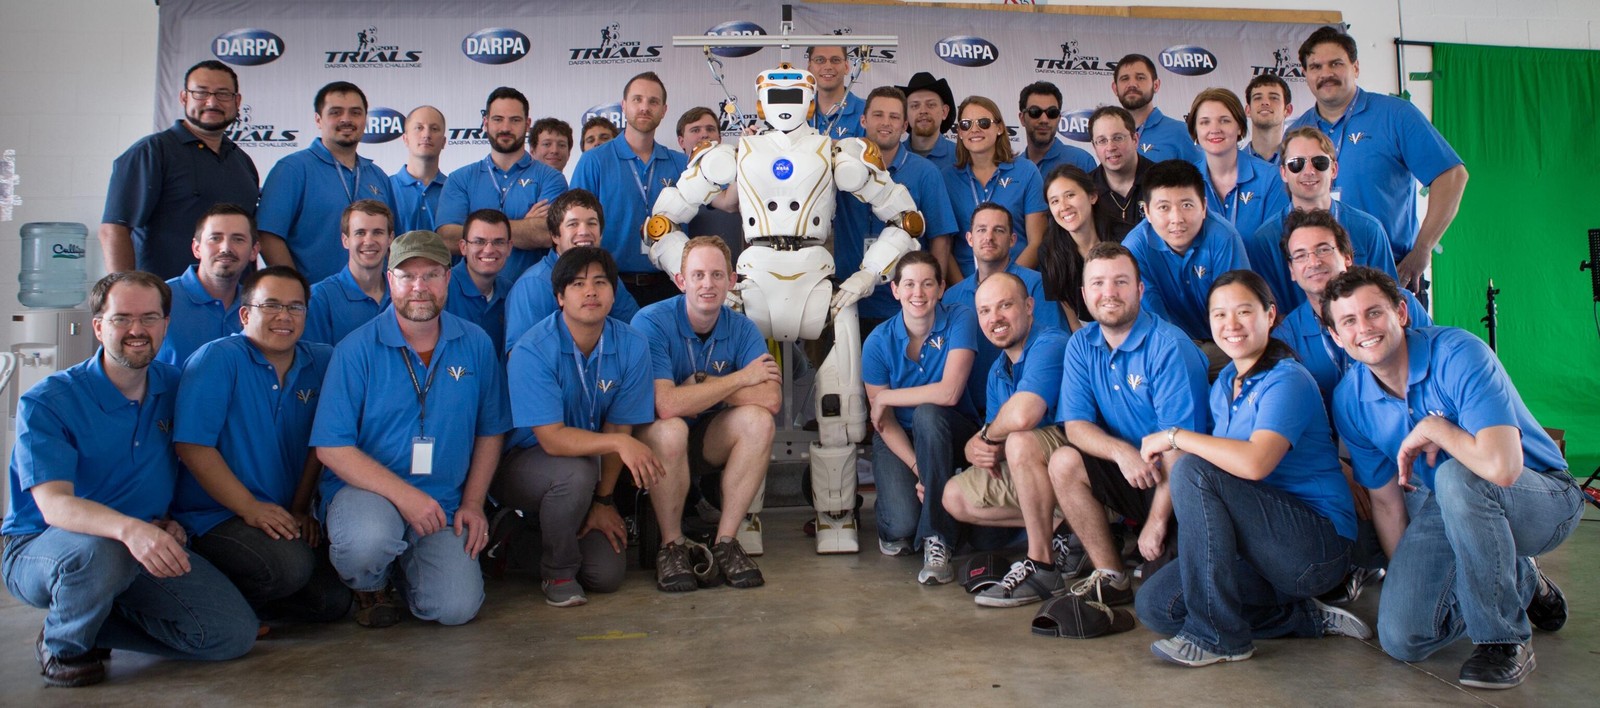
x=376 y=609
x=84 y=670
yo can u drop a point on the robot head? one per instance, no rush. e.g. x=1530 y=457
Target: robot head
x=784 y=96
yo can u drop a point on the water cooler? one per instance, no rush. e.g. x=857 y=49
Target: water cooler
x=43 y=341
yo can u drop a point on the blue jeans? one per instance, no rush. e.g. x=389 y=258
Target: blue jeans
x=1250 y=557
x=367 y=536
x=937 y=434
x=279 y=577
x=97 y=595
x=1460 y=568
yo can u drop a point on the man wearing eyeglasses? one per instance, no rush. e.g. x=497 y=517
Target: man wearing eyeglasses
x=245 y=494
x=410 y=425
x=205 y=302
x=1119 y=179
x=1039 y=114
x=1309 y=168
x=350 y=298
x=479 y=284
x=164 y=183
x=838 y=112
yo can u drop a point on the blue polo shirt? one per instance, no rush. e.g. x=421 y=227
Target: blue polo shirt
x=304 y=195
x=1045 y=314
x=1266 y=257
x=846 y=123
x=1154 y=380
x=678 y=352
x=75 y=426
x=1250 y=149
x=1176 y=286
x=1060 y=154
x=943 y=154
x=482 y=185
x=1037 y=371
x=196 y=318
x=338 y=306
x=1452 y=374
x=416 y=204
x=628 y=188
x=1162 y=138
x=613 y=384
x=533 y=297
x=368 y=401
x=1302 y=330
x=263 y=436
x=1016 y=185
x=1280 y=400
x=884 y=361
x=1257 y=195
x=486 y=311
x=1385 y=147
x=855 y=227
x=162 y=185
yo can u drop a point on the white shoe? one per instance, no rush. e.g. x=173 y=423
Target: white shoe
x=836 y=534
x=936 y=568
x=750 y=535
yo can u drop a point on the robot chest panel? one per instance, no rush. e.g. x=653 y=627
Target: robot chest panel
x=786 y=190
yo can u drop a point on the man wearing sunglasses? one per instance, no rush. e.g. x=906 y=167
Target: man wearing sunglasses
x=1039 y=114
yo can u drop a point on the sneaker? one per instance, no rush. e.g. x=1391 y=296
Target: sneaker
x=936 y=568
x=1341 y=623
x=64 y=672
x=1182 y=651
x=895 y=548
x=1498 y=666
x=707 y=512
x=1024 y=584
x=750 y=535
x=1548 y=609
x=563 y=593
x=376 y=609
x=1358 y=580
x=1072 y=561
x=1102 y=588
x=674 y=570
x=736 y=565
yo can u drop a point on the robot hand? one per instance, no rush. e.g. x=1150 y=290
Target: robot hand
x=853 y=289
x=735 y=299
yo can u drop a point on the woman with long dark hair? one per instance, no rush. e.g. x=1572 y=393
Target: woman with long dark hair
x=1074 y=228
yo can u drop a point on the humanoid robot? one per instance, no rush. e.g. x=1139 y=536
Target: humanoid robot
x=787 y=177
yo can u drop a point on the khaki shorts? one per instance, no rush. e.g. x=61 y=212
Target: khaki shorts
x=985 y=490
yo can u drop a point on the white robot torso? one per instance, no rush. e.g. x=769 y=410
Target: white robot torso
x=786 y=188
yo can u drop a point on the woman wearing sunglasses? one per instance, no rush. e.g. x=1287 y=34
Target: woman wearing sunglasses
x=1266 y=516
x=1074 y=228
x=1241 y=188
x=987 y=170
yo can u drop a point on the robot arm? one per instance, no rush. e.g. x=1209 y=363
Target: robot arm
x=859 y=169
x=711 y=169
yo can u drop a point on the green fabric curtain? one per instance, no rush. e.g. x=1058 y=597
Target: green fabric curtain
x=1524 y=121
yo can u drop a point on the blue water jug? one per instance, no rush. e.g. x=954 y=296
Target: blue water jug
x=53 y=268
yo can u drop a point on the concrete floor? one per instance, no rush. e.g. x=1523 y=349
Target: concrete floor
x=824 y=630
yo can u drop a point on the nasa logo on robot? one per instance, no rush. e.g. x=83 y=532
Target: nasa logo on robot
x=383 y=125
x=966 y=50
x=736 y=28
x=246 y=131
x=371 y=53
x=495 y=45
x=783 y=168
x=608 y=111
x=247 y=47
x=1188 y=60
x=1075 y=125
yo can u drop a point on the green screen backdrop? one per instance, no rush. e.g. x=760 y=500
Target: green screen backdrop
x=1524 y=121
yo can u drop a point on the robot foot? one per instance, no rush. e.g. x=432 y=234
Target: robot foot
x=836 y=533
x=750 y=535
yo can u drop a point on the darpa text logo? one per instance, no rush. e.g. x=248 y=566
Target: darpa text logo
x=967 y=50
x=495 y=45
x=369 y=54
x=1284 y=66
x=1075 y=125
x=609 y=111
x=245 y=132
x=614 y=49
x=736 y=28
x=1188 y=60
x=383 y=125
x=247 y=47
x=1074 y=62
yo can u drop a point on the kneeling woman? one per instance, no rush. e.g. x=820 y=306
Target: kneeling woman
x=1265 y=518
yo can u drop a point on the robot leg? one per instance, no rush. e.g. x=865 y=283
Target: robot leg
x=750 y=533
x=841 y=423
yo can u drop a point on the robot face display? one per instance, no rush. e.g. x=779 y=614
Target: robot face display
x=785 y=97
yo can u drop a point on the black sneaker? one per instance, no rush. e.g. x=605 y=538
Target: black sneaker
x=674 y=570
x=736 y=565
x=1072 y=561
x=1548 y=609
x=1498 y=666
x=376 y=609
x=1358 y=579
x=68 y=672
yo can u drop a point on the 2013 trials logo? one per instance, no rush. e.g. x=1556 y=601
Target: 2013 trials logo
x=1285 y=65
x=246 y=132
x=466 y=136
x=1188 y=60
x=614 y=49
x=857 y=54
x=383 y=125
x=736 y=28
x=370 y=53
x=495 y=45
x=247 y=47
x=966 y=50
x=731 y=122
x=1074 y=62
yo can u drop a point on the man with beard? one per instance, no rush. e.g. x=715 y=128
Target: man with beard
x=164 y=183
x=1039 y=114
x=627 y=176
x=930 y=111
x=356 y=294
x=205 y=303
x=838 y=112
x=304 y=193
x=86 y=535
x=1119 y=179
x=410 y=425
x=418 y=185
x=1267 y=99
x=1158 y=138
x=577 y=219
x=509 y=180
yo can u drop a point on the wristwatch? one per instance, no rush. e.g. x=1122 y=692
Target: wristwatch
x=983 y=434
x=604 y=500
x=1172 y=437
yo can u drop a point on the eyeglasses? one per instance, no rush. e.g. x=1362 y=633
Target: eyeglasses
x=407 y=280
x=481 y=242
x=983 y=123
x=1034 y=112
x=1323 y=251
x=1320 y=163
x=273 y=309
x=1117 y=139
x=199 y=95
x=126 y=321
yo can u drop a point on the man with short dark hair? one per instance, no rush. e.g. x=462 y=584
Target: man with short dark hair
x=1039 y=114
x=597 y=131
x=1158 y=138
x=357 y=293
x=162 y=185
x=1119 y=180
x=205 y=303
x=577 y=219
x=838 y=112
x=306 y=190
x=551 y=142
x=418 y=185
x=479 y=284
x=86 y=535
x=1267 y=100
x=721 y=217
x=930 y=114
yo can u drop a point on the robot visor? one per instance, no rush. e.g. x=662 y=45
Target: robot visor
x=789 y=96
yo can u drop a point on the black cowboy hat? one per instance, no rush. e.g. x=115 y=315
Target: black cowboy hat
x=924 y=81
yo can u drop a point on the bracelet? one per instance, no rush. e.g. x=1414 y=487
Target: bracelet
x=604 y=500
x=983 y=434
x=1172 y=438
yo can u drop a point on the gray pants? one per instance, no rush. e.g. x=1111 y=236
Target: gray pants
x=555 y=494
